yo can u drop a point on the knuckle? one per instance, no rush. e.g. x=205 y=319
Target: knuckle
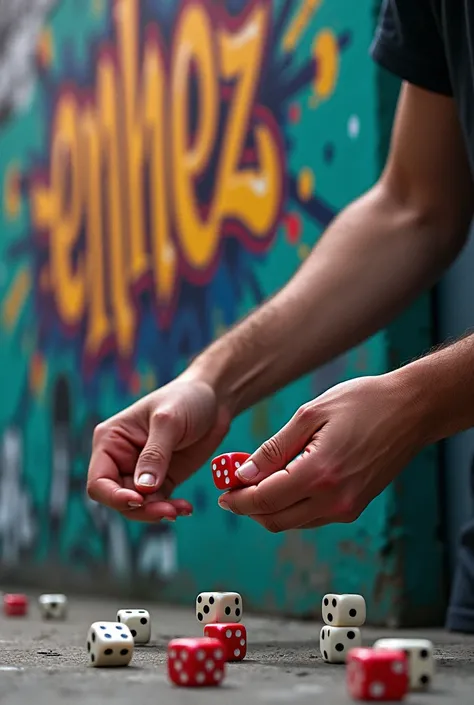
x=152 y=453
x=91 y=490
x=349 y=517
x=234 y=508
x=305 y=415
x=99 y=432
x=263 y=503
x=273 y=526
x=328 y=475
x=348 y=511
x=272 y=451
x=164 y=416
x=324 y=480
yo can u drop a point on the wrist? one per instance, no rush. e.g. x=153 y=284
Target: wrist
x=213 y=367
x=423 y=402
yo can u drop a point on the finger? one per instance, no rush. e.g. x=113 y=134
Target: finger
x=310 y=475
x=271 y=495
x=182 y=506
x=186 y=461
x=318 y=523
x=160 y=510
x=352 y=508
x=291 y=518
x=281 y=448
x=154 y=460
x=103 y=484
x=153 y=512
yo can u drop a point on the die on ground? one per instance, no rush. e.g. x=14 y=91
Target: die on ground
x=53 y=606
x=336 y=642
x=218 y=607
x=139 y=623
x=109 y=644
x=196 y=662
x=377 y=674
x=233 y=638
x=344 y=610
x=15 y=605
x=224 y=468
x=421 y=665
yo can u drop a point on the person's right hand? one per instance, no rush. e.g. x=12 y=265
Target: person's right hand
x=140 y=455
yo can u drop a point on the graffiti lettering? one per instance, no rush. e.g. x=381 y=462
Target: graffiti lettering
x=122 y=202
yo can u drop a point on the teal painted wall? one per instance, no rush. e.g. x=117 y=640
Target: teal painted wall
x=70 y=356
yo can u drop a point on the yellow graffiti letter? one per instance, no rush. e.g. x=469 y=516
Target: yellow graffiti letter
x=58 y=209
x=98 y=326
x=193 y=47
x=113 y=177
x=252 y=196
x=156 y=124
x=126 y=13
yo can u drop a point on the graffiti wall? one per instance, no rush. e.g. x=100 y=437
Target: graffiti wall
x=165 y=165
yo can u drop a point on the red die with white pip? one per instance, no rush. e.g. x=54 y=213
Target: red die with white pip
x=15 y=605
x=224 y=468
x=373 y=676
x=233 y=638
x=196 y=662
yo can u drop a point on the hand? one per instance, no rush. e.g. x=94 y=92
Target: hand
x=354 y=440
x=140 y=455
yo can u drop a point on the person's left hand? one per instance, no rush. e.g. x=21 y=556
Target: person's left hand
x=354 y=440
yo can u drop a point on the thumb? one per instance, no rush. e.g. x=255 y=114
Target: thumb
x=153 y=462
x=283 y=447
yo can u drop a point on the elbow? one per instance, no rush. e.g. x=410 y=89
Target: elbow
x=442 y=225
x=448 y=234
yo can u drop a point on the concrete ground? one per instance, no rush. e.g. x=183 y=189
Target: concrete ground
x=45 y=663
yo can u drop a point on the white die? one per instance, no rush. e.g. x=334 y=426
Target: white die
x=336 y=642
x=421 y=665
x=215 y=607
x=344 y=610
x=53 y=606
x=139 y=623
x=109 y=644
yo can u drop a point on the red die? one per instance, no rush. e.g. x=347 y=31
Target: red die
x=233 y=638
x=194 y=662
x=15 y=605
x=224 y=467
x=373 y=675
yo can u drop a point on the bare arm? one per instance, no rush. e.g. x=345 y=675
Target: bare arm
x=381 y=252
x=442 y=389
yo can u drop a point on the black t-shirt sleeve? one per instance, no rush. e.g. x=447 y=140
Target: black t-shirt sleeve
x=408 y=43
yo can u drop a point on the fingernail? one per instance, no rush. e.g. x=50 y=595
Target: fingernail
x=135 y=505
x=171 y=519
x=185 y=513
x=223 y=504
x=248 y=471
x=147 y=480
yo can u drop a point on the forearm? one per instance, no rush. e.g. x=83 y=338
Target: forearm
x=440 y=387
x=374 y=258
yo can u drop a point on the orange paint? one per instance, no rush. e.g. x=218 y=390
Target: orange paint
x=45 y=48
